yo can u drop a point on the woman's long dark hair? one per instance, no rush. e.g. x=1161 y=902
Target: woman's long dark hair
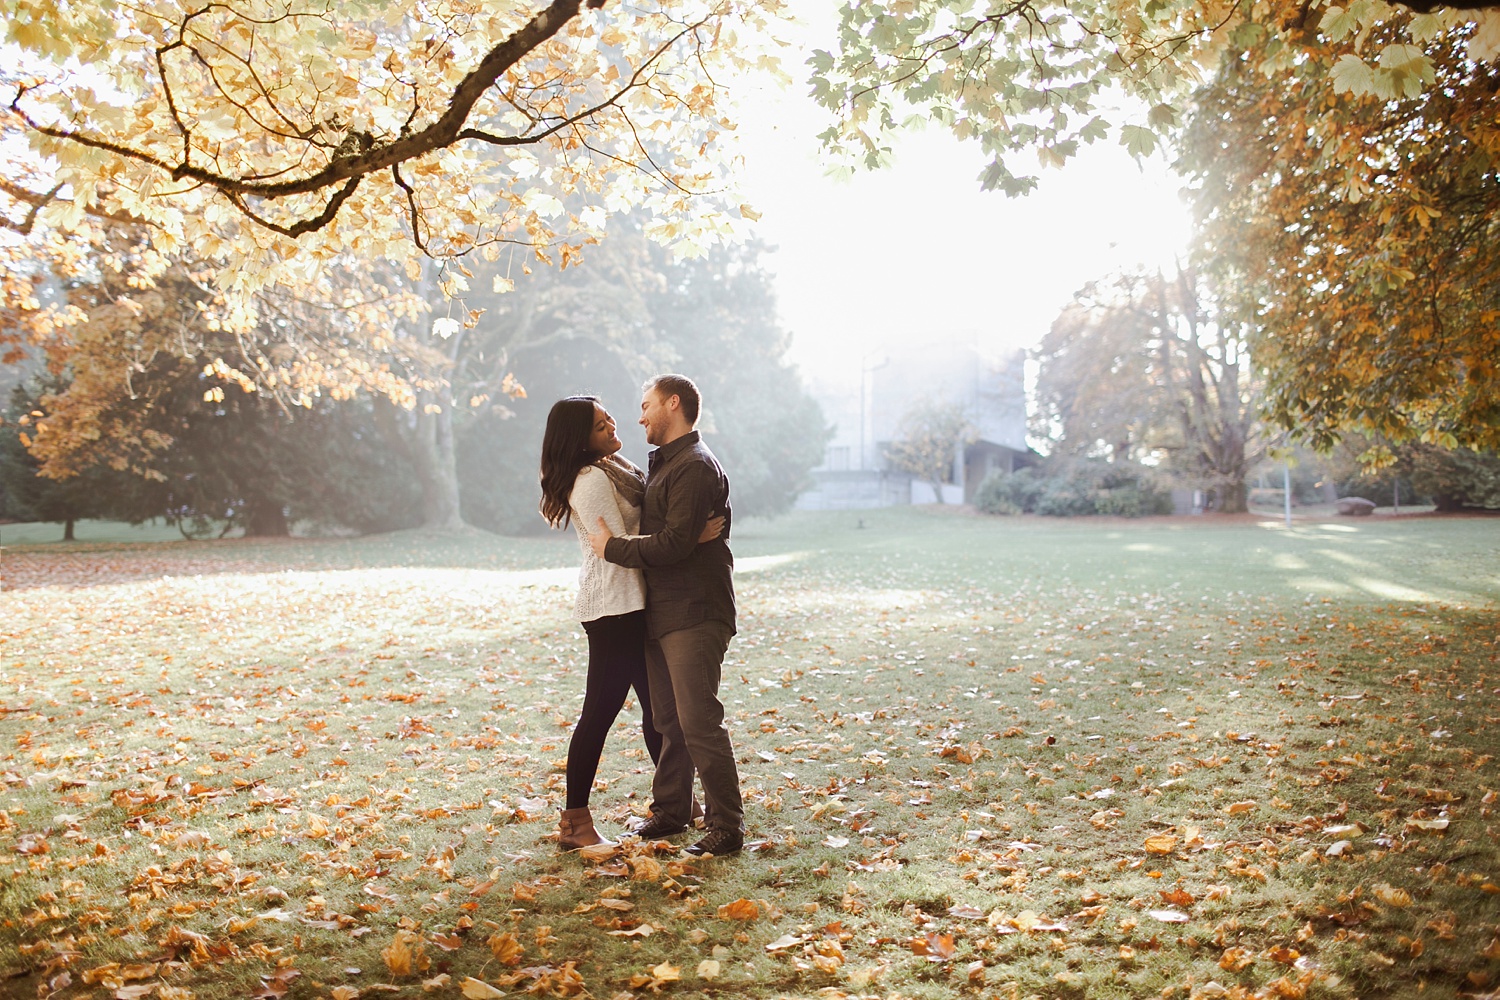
x=565 y=450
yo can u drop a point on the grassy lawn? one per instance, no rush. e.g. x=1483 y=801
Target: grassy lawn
x=982 y=758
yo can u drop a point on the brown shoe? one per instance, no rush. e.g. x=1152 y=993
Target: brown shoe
x=575 y=830
x=657 y=827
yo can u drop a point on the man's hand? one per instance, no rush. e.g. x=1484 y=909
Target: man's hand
x=599 y=538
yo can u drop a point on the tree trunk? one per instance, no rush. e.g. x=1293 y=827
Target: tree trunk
x=266 y=520
x=426 y=439
x=1232 y=497
x=68 y=530
x=436 y=456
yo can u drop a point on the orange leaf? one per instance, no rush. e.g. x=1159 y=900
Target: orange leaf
x=1161 y=843
x=506 y=949
x=740 y=909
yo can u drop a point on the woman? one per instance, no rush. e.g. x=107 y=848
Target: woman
x=584 y=478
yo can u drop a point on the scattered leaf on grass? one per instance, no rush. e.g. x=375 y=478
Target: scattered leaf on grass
x=478 y=989
x=740 y=909
x=643 y=930
x=1391 y=896
x=1161 y=843
x=1427 y=824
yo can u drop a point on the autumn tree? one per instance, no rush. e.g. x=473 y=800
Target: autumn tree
x=273 y=150
x=1095 y=394
x=1147 y=367
x=235 y=461
x=1359 y=141
x=269 y=136
x=115 y=343
x=929 y=442
x=100 y=492
x=1378 y=290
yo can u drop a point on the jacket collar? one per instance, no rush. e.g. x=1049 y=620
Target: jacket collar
x=667 y=451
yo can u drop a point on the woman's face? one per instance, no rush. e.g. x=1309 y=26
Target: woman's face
x=602 y=441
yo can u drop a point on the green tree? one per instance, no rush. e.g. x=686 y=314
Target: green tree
x=1040 y=76
x=1350 y=149
x=714 y=318
x=930 y=438
x=604 y=332
x=1453 y=478
x=236 y=460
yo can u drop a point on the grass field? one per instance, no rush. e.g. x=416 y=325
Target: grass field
x=982 y=758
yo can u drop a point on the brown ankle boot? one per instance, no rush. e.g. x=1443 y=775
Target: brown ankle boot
x=575 y=830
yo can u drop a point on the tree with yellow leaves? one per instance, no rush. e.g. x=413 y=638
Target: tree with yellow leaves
x=270 y=137
x=283 y=165
x=1376 y=285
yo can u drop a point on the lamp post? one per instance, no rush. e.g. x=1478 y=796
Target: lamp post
x=1286 y=491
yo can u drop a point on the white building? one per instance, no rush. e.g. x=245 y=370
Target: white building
x=867 y=415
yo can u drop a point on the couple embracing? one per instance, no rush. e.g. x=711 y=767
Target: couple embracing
x=656 y=599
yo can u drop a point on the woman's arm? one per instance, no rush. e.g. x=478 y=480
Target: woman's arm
x=593 y=498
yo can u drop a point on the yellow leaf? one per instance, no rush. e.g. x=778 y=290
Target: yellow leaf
x=1161 y=843
x=1391 y=896
x=506 y=949
x=595 y=853
x=666 y=973
x=478 y=989
x=708 y=969
x=405 y=955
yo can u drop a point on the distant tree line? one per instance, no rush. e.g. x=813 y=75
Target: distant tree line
x=211 y=457
x=1147 y=382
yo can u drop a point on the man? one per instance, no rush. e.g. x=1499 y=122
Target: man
x=689 y=618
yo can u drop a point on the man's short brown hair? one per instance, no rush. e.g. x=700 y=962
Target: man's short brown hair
x=683 y=388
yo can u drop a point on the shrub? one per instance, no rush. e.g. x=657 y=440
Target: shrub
x=1071 y=488
x=1005 y=492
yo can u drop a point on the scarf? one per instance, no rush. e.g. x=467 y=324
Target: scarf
x=627 y=479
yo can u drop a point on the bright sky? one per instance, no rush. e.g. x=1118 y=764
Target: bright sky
x=918 y=251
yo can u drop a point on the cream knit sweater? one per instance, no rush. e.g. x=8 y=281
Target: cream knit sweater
x=604 y=588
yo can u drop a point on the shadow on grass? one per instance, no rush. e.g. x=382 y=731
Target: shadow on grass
x=1426 y=559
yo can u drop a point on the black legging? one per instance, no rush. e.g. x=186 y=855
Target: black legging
x=617 y=662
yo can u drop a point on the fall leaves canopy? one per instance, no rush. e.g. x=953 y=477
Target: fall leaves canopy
x=273 y=138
